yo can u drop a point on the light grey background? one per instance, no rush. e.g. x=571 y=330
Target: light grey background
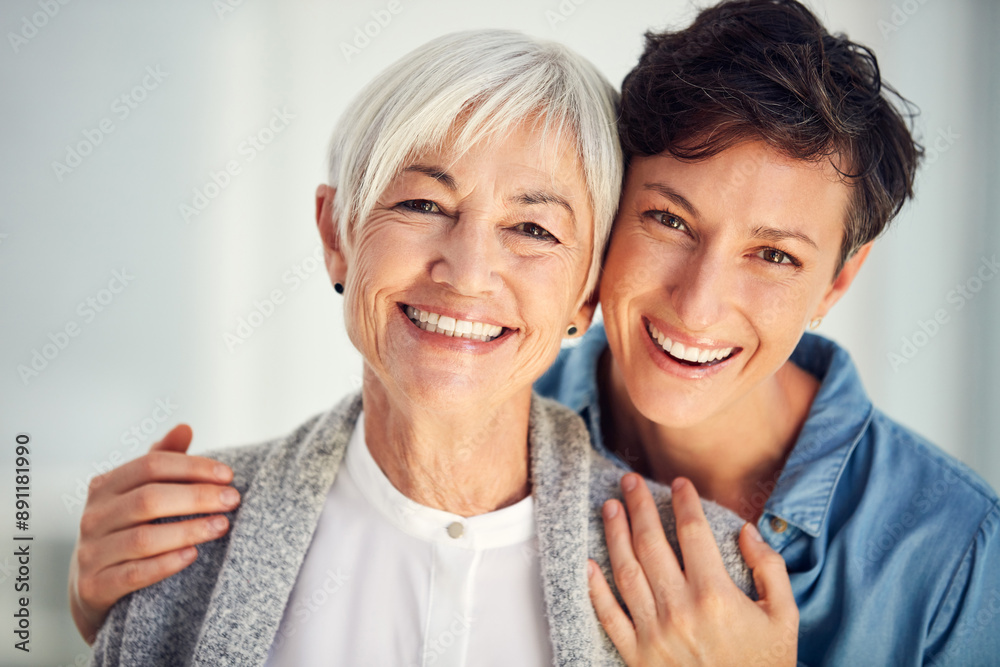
x=225 y=69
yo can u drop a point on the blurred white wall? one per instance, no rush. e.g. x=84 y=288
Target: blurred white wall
x=162 y=96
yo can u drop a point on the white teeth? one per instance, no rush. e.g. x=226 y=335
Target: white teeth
x=449 y=326
x=687 y=352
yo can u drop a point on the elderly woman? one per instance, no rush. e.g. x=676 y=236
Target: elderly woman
x=444 y=515
x=763 y=160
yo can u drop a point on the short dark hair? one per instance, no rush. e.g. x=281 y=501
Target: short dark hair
x=769 y=70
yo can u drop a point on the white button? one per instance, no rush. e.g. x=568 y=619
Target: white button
x=455 y=529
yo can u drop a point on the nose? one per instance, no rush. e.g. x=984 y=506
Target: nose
x=469 y=261
x=699 y=292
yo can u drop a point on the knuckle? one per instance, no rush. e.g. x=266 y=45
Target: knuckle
x=87 y=591
x=148 y=465
x=647 y=545
x=628 y=576
x=145 y=501
x=131 y=575
x=96 y=483
x=691 y=525
x=141 y=539
x=712 y=602
x=89 y=523
x=85 y=556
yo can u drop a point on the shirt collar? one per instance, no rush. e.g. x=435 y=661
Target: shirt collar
x=837 y=420
x=504 y=527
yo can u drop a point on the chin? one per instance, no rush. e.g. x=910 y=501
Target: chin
x=673 y=407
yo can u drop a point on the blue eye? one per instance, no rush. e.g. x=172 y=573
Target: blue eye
x=535 y=231
x=420 y=205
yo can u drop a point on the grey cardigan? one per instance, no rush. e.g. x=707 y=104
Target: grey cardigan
x=224 y=609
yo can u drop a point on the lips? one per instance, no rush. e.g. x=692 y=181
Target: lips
x=452 y=327
x=689 y=355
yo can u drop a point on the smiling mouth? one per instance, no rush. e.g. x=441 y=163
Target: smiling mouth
x=689 y=355
x=449 y=326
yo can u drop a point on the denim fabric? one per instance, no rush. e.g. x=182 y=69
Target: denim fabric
x=893 y=546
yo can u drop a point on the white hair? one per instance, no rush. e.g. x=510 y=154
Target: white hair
x=493 y=80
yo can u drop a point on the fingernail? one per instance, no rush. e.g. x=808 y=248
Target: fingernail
x=223 y=472
x=610 y=509
x=229 y=497
x=591 y=569
x=677 y=484
x=628 y=483
x=189 y=554
x=754 y=533
x=217 y=524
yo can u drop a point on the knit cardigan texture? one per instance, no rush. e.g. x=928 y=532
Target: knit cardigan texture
x=225 y=608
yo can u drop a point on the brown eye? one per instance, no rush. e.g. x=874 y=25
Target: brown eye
x=775 y=256
x=535 y=230
x=668 y=220
x=421 y=205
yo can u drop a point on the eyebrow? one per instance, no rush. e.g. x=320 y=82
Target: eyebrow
x=537 y=197
x=762 y=233
x=673 y=196
x=531 y=198
x=772 y=234
x=437 y=173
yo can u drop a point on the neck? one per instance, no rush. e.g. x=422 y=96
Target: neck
x=733 y=458
x=467 y=461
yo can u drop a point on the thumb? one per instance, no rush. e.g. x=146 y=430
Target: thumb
x=177 y=440
x=770 y=574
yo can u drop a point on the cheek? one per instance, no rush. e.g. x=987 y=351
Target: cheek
x=635 y=270
x=776 y=311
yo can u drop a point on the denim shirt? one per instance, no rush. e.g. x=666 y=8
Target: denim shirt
x=892 y=546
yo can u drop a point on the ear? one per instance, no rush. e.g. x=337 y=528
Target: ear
x=585 y=315
x=843 y=280
x=336 y=264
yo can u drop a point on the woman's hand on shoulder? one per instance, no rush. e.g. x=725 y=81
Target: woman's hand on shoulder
x=695 y=615
x=119 y=550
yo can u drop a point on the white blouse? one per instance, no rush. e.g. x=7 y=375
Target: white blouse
x=387 y=582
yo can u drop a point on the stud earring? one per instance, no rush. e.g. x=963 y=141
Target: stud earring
x=572 y=330
x=338 y=288
x=814 y=324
